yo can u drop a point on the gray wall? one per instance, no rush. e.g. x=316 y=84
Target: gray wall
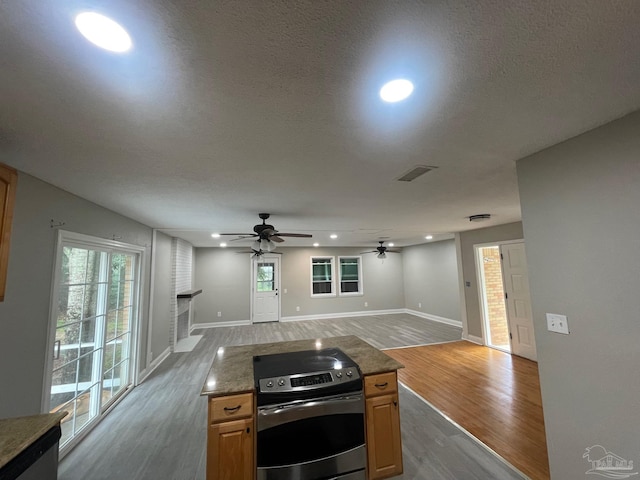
x=581 y=214
x=509 y=231
x=383 y=283
x=161 y=312
x=24 y=315
x=431 y=279
x=225 y=278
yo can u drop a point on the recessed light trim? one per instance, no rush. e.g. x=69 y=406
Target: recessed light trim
x=215 y=235
x=223 y=244
x=429 y=237
x=396 y=90
x=103 y=32
x=316 y=244
x=391 y=244
x=333 y=236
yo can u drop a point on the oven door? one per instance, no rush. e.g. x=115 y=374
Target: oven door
x=312 y=439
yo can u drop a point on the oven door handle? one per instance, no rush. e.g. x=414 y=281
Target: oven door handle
x=278 y=415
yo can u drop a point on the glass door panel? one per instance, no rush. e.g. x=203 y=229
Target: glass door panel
x=92 y=348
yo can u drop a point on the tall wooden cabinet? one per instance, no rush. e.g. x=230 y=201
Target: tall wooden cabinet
x=384 y=444
x=230 y=438
x=8 y=182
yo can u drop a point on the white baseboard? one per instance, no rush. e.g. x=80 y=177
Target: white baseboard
x=231 y=323
x=435 y=318
x=153 y=365
x=324 y=316
x=473 y=339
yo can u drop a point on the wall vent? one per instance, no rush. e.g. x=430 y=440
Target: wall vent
x=415 y=172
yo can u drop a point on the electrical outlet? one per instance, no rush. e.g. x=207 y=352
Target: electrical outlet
x=285 y=290
x=419 y=305
x=219 y=314
x=366 y=304
x=557 y=323
x=297 y=309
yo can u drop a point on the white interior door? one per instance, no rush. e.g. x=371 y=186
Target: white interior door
x=266 y=284
x=518 y=300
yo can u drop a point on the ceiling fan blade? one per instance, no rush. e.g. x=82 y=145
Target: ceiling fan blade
x=369 y=251
x=239 y=234
x=242 y=238
x=276 y=238
x=300 y=235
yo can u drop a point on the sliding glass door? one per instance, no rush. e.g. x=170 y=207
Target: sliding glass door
x=94 y=309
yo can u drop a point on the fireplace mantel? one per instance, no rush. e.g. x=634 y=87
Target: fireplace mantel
x=189 y=293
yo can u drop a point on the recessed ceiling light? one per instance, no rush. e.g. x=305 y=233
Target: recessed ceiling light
x=333 y=236
x=429 y=237
x=396 y=90
x=223 y=244
x=103 y=32
x=215 y=235
x=316 y=244
x=391 y=244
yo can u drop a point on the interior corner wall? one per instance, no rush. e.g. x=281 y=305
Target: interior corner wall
x=162 y=293
x=431 y=279
x=24 y=314
x=581 y=214
x=500 y=233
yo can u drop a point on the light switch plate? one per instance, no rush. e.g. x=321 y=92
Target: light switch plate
x=557 y=323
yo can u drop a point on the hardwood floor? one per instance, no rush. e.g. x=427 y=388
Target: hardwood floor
x=492 y=395
x=158 y=431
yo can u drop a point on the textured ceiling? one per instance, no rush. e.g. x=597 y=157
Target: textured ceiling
x=226 y=109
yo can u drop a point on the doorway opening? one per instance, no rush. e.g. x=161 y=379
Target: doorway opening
x=492 y=293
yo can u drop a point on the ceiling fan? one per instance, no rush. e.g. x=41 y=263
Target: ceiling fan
x=382 y=250
x=265 y=235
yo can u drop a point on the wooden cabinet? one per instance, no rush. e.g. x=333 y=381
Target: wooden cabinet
x=8 y=182
x=230 y=438
x=384 y=444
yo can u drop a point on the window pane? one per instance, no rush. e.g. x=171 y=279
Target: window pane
x=348 y=287
x=322 y=287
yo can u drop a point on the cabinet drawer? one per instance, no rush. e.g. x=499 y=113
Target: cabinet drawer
x=230 y=407
x=380 y=384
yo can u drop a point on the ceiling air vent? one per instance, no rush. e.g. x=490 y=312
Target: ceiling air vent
x=481 y=217
x=415 y=172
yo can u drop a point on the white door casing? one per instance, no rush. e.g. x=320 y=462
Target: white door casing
x=518 y=300
x=265 y=288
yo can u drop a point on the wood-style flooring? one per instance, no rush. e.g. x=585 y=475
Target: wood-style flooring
x=158 y=431
x=493 y=395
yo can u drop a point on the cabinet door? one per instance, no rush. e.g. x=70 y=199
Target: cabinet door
x=8 y=181
x=384 y=446
x=230 y=450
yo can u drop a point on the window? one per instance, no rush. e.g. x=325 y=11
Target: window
x=265 y=280
x=94 y=314
x=322 y=276
x=350 y=276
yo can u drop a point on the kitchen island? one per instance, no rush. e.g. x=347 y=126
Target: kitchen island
x=230 y=388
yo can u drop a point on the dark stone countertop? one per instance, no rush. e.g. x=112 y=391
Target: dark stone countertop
x=232 y=368
x=17 y=434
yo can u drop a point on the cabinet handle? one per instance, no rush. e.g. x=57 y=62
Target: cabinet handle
x=395 y=403
x=56 y=349
x=382 y=385
x=248 y=430
x=232 y=409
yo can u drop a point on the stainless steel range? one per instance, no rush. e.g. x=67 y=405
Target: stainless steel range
x=310 y=416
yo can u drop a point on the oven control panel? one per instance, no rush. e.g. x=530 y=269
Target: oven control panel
x=308 y=381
